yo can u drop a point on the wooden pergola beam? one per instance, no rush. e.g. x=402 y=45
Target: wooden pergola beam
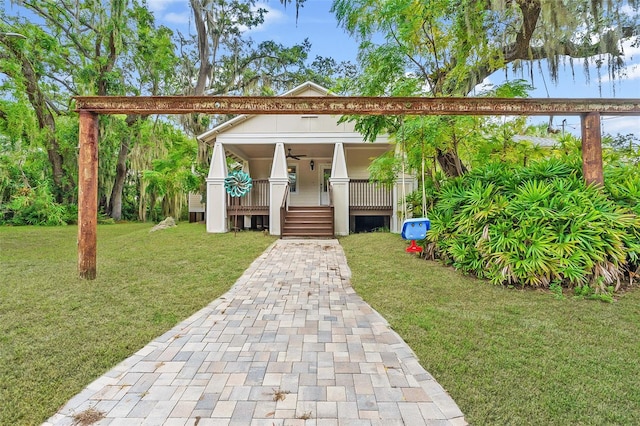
x=336 y=105
x=90 y=107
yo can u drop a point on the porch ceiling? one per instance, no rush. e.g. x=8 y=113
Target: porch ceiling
x=266 y=150
x=307 y=151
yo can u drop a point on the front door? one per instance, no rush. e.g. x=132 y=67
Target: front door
x=325 y=174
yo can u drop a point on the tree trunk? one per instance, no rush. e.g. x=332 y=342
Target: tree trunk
x=55 y=159
x=142 y=204
x=204 y=72
x=450 y=163
x=46 y=122
x=448 y=158
x=115 y=202
x=203 y=48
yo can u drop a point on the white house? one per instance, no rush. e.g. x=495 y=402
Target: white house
x=310 y=175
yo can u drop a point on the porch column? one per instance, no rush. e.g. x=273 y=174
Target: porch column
x=216 y=194
x=248 y=200
x=278 y=181
x=340 y=190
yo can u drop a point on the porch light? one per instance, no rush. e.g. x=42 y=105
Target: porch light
x=311 y=165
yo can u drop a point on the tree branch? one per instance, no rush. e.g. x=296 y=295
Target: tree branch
x=62 y=26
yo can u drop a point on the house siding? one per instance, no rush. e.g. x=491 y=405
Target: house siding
x=255 y=138
x=195 y=203
x=358 y=160
x=308 y=190
x=260 y=168
x=283 y=124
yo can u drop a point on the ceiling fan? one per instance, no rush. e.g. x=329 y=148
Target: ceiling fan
x=294 y=156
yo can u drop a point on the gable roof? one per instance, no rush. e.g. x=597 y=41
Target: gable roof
x=304 y=87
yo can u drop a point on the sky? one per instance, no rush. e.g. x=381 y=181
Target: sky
x=320 y=26
x=315 y=22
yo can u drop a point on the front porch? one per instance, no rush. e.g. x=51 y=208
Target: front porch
x=303 y=162
x=354 y=202
x=370 y=206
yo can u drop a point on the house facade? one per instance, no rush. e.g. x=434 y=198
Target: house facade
x=304 y=168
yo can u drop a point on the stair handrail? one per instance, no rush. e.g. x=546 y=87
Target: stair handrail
x=284 y=208
x=330 y=188
x=333 y=217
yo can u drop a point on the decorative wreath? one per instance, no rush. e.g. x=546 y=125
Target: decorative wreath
x=238 y=183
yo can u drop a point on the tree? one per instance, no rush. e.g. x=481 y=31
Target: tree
x=220 y=59
x=91 y=48
x=19 y=64
x=447 y=46
x=227 y=61
x=152 y=65
x=114 y=47
x=169 y=178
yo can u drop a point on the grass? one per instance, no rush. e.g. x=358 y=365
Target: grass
x=506 y=356
x=58 y=333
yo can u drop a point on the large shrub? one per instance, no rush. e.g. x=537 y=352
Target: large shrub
x=538 y=225
x=33 y=206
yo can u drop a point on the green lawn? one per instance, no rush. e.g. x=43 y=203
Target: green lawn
x=506 y=356
x=58 y=333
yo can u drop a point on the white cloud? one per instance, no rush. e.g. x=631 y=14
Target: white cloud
x=178 y=12
x=630 y=51
x=632 y=73
x=624 y=125
x=629 y=72
x=271 y=17
x=482 y=87
x=160 y=5
x=178 y=18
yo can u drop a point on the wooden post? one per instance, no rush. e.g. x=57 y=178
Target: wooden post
x=88 y=195
x=592 y=149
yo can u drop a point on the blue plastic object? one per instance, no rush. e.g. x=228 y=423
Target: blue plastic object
x=416 y=228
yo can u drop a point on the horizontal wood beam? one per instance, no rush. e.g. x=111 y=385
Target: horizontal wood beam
x=336 y=105
x=90 y=106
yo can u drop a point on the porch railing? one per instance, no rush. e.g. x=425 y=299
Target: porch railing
x=366 y=195
x=256 y=201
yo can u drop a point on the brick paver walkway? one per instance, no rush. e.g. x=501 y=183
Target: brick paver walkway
x=290 y=344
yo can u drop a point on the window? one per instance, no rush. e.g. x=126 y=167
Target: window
x=293 y=178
